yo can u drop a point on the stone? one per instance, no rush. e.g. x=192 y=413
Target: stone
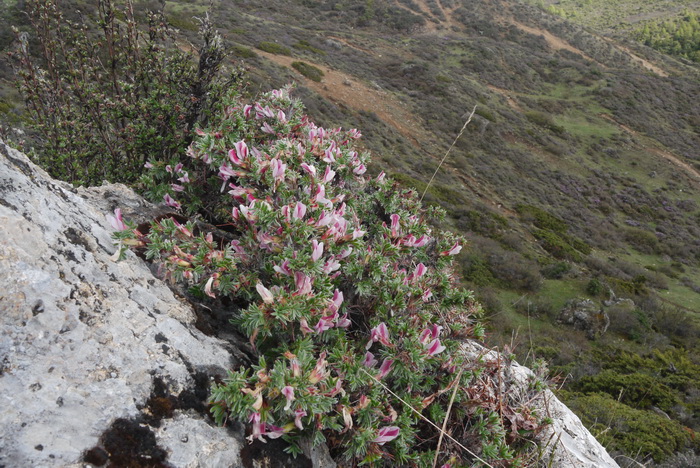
x=565 y=443
x=585 y=315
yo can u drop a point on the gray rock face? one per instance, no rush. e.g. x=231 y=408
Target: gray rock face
x=566 y=443
x=101 y=360
x=586 y=315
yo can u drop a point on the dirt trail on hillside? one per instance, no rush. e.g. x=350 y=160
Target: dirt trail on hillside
x=553 y=41
x=344 y=89
x=637 y=59
x=672 y=158
x=509 y=98
x=558 y=43
x=434 y=23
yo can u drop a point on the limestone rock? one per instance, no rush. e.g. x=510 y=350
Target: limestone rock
x=586 y=315
x=565 y=443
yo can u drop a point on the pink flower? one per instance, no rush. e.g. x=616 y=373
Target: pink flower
x=337 y=299
x=148 y=165
x=116 y=221
x=379 y=333
x=185 y=177
x=385 y=368
x=454 y=250
x=435 y=347
x=369 y=360
x=281 y=117
x=303 y=283
x=225 y=172
x=182 y=228
x=305 y=328
x=354 y=133
x=419 y=271
x=330 y=266
x=265 y=293
x=267 y=129
x=258 y=429
x=328 y=155
x=359 y=170
x=319 y=372
x=169 y=201
x=308 y=168
x=386 y=434
x=278 y=169
x=427 y=294
x=298 y=414
x=343 y=322
x=283 y=269
x=328 y=175
x=288 y=393
x=323 y=325
x=394 y=225
x=317 y=250
x=431 y=333
x=296 y=367
x=239 y=153
x=178 y=168
x=381 y=177
x=321 y=195
x=177 y=188
x=246 y=111
x=273 y=432
x=207 y=287
x=168 y=169
x=325 y=219
x=299 y=210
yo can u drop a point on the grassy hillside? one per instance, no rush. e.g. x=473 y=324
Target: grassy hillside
x=578 y=178
x=670 y=26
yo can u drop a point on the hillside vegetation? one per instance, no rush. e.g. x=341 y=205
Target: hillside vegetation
x=668 y=26
x=577 y=183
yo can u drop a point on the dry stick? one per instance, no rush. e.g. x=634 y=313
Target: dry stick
x=427 y=420
x=448 y=152
x=447 y=416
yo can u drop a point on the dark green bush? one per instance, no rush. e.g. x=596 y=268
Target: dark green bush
x=556 y=245
x=275 y=48
x=242 y=51
x=304 y=45
x=636 y=433
x=641 y=391
x=545 y=121
x=642 y=241
x=542 y=219
x=556 y=270
x=309 y=71
x=108 y=97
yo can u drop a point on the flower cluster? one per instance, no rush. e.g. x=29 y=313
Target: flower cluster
x=349 y=291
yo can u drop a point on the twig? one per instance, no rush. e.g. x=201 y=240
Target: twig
x=448 y=152
x=447 y=416
x=427 y=420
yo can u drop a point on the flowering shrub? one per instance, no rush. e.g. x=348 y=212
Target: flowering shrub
x=348 y=296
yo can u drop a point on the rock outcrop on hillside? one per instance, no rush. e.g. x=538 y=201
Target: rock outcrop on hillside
x=103 y=362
